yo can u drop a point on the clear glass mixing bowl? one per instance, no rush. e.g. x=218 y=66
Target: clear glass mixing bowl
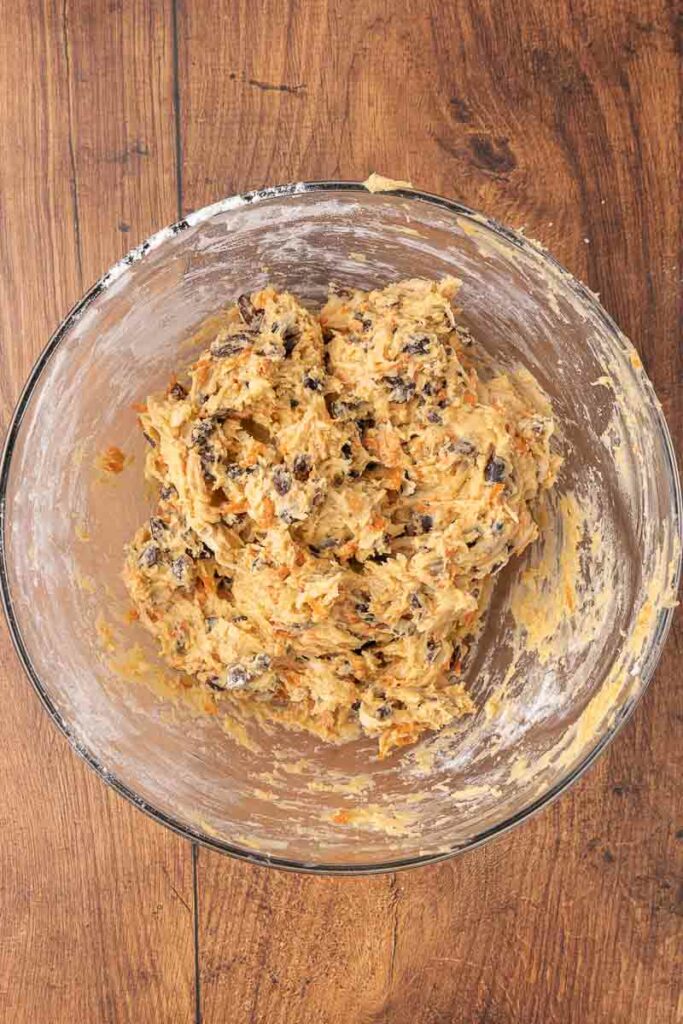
x=552 y=690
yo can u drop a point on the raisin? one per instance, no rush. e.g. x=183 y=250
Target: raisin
x=205 y=552
x=337 y=409
x=157 y=527
x=366 y=323
x=251 y=316
x=149 y=556
x=179 y=568
x=282 y=481
x=301 y=467
x=168 y=492
x=418 y=346
x=234 y=472
x=383 y=711
x=312 y=383
x=433 y=648
x=224 y=347
x=207 y=455
x=463 y=447
x=201 y=432
x=434 y=417
x=261 y=662
x=355 y=706
x=293 y=403
x=498 y=526
x=495 y=470
x=426 y=522
x=290 y=337
x=401 y=390
x=366 y=646
x=365 y=423
x=178 y=392
x=415 y=601
x=347 y=450
x=237 y=677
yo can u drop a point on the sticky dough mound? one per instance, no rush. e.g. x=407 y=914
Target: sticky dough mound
x=335 y=496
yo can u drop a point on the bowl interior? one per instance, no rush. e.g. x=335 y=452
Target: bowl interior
x=575 y=626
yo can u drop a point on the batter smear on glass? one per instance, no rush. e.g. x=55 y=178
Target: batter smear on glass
x=336 y=494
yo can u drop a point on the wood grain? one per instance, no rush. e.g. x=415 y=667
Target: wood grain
x=559 y=117
x=97 y=906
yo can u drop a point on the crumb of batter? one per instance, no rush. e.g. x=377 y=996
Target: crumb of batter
x=336 y=496
x=111 y=460
x=379 y=183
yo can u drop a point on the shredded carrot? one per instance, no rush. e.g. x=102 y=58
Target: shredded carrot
x=202 y=372
x=469 y=399
x=318 y=608
x=268 y=517
x=111 y=460
x=342 y=817
x=235 y=507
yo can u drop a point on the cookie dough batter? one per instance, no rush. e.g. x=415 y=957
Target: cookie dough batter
x=336 y=495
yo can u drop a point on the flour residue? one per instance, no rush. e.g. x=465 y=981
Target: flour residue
x=546 y=598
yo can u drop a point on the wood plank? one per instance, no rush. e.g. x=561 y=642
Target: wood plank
x=558 y=118
x=97 y=900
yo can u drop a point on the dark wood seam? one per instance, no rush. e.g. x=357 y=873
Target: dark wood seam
x=73 y=182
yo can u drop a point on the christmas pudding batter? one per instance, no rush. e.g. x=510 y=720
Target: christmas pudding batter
x=336 y=494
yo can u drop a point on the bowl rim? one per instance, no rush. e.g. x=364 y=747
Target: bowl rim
x=656 y=639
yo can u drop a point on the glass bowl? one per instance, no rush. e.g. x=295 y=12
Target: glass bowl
x=575 y=628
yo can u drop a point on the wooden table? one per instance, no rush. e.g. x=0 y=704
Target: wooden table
x=117 y=116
